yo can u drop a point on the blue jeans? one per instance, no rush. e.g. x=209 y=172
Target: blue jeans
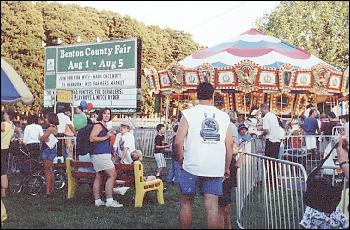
x=281 y=152
x=174 y=172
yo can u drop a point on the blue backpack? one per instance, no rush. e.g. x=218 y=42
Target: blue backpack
x=84 y=145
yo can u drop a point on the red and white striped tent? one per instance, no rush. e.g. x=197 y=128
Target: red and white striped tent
x=257 y=63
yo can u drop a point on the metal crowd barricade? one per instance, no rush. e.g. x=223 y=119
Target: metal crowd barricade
x=70 y=144
x=269 y=192
x=144 y=140
x=307 y=150
x=258 y=145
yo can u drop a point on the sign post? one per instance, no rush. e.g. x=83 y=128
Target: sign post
x=106 y=73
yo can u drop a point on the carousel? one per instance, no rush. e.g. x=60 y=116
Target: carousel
x=251 y=69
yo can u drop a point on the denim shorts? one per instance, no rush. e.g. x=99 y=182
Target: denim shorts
x=49 y=154
x=189 y=182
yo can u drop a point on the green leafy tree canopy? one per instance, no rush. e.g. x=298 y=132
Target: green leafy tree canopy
x=320 y=27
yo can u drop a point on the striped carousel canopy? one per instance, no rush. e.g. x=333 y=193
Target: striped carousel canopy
x=13 y=89
x=256 y=46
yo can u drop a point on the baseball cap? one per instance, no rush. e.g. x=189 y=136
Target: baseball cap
x=242 y=126
x=126 y=123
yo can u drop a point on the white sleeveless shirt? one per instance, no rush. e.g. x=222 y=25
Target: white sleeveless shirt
x=205 y=149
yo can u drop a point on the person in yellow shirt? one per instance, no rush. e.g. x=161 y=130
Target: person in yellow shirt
x=3 y=213
x=7 y=131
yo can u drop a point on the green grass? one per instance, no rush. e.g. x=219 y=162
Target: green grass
x=25 y=211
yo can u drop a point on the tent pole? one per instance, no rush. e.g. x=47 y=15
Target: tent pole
x=245 y=113
x=281 y=106
x=251 y=102
x=235 y=100
x=323 y=107
x=341 y=108
x=159 y=114
x=337 y=107
x=167 y=101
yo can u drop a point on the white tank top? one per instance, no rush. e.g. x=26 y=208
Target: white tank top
x=205 y=149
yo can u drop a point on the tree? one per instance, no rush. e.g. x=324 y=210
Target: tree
x=320 y=27
x=21 y=36
x=25 y=25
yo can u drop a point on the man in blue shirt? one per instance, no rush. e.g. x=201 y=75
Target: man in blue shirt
x=310 y=128
x=311 y=123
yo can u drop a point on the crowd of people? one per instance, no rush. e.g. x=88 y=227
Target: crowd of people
x=204 y=149
x=47 y=141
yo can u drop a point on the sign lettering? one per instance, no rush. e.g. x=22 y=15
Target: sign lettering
x=96 y=68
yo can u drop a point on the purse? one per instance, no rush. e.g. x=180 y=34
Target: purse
x=320 y=194
x=52 y=141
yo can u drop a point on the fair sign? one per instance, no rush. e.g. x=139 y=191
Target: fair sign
x=107 y=74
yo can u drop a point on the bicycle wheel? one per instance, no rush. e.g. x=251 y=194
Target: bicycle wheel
x=35 y=185
x=16 y=182
x=12 y=165
x=60 y=179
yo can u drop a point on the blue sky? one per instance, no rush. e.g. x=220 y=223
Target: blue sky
x=210 y=22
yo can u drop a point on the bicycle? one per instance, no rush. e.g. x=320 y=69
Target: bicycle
x=32 y=182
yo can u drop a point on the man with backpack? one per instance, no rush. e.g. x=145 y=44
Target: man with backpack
x=84 y=146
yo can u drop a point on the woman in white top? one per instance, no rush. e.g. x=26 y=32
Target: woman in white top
x=32 y=134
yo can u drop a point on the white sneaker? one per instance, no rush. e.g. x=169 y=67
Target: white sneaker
x=98 y=204
x=114 y=204
x=120 y=190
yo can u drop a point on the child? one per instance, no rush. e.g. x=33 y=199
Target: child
x=136 y=155
x=160 y=149
x=175 y=167
x=243 y=135
x=124 y=142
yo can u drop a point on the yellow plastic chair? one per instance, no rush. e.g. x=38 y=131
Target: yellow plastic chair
x=3 y=212
x=71 y=183
x=74 y=176
x=142 y=186
x=346 y=202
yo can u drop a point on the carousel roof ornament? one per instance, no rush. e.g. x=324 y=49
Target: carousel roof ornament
x=252 y=62
x=345 y=86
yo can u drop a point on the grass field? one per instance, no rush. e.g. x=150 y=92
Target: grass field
x=25 y=211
